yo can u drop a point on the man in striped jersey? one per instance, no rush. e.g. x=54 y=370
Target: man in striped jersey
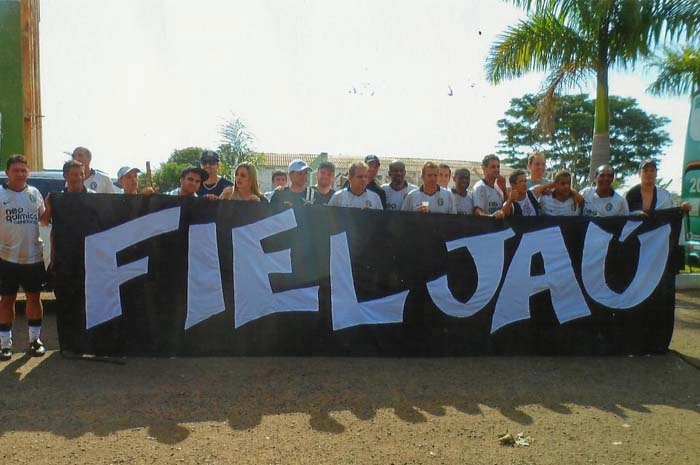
x=430 y=197
x=521 y=201
x=398 y=188
x=356 y=194
x=21 y=255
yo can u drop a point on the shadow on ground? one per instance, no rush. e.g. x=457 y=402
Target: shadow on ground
x=72 y=398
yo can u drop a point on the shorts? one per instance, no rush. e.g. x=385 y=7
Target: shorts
x=13 y=275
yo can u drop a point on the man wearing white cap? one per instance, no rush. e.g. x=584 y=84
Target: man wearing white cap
x=128 y=177
x=297 y=194
x=94 y=179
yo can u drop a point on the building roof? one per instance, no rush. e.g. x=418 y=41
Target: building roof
x=280 y=160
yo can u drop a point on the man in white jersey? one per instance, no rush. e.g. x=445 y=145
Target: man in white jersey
x=94 y=179
x=489 y=191
x=601 y=199
x=430 y=197
x=460 y=193
x=356 y=194
x=444 y=175
x=398 y=188
x=558 y=198
x=521 y=201
x=537 y=167
x=190 y=179
x=21 y=255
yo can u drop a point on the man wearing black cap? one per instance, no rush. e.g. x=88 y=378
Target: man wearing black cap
x=215 y=184
x=190 y=181
x=647 y=196
x=373 y=163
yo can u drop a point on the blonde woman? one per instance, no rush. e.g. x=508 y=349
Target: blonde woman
x=245 y=186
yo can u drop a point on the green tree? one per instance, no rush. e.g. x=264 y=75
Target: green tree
x=679 y=71
x=236 y=144
x=634 y=135
x=235 y=147
x=574 y=39
x=167 y=176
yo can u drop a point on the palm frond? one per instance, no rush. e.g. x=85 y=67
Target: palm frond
x=679 y=72
x=539 y=43
x=571 y=75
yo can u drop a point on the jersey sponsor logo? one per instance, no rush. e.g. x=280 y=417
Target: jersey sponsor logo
x=19 y=216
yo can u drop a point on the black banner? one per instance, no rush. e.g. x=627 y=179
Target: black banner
x=182 y=276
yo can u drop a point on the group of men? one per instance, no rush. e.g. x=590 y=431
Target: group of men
x=524 y=195
x=23 y=208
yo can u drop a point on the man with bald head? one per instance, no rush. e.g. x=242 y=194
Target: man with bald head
x=95 y=180
x=398 y=188
x=601 y=199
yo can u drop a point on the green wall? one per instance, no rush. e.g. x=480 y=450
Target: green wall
x=11 y=80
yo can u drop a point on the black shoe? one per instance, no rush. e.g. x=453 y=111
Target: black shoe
x=6 y=353
x=37 y=349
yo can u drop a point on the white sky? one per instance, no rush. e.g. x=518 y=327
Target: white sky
x=135 y=79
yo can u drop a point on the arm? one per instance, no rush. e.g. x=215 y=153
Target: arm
x=45 y=212
x=541 y=189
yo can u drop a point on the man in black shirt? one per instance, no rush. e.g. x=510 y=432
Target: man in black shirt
x=214 y=184
x=323 y=190
x=297 y=194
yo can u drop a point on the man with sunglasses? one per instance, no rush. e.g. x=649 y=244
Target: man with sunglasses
x=214 y=184
x=601 y=199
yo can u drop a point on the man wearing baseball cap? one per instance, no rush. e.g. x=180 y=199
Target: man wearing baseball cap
x=373 y=163
x=215 y=184
x=647 y=196
x=190 y=180
x=296 y=194
x=128 y=178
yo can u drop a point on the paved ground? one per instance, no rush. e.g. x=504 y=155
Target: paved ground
x=581 y=410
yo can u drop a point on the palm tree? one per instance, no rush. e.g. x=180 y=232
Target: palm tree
x=679 y=71
x=574 y=39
